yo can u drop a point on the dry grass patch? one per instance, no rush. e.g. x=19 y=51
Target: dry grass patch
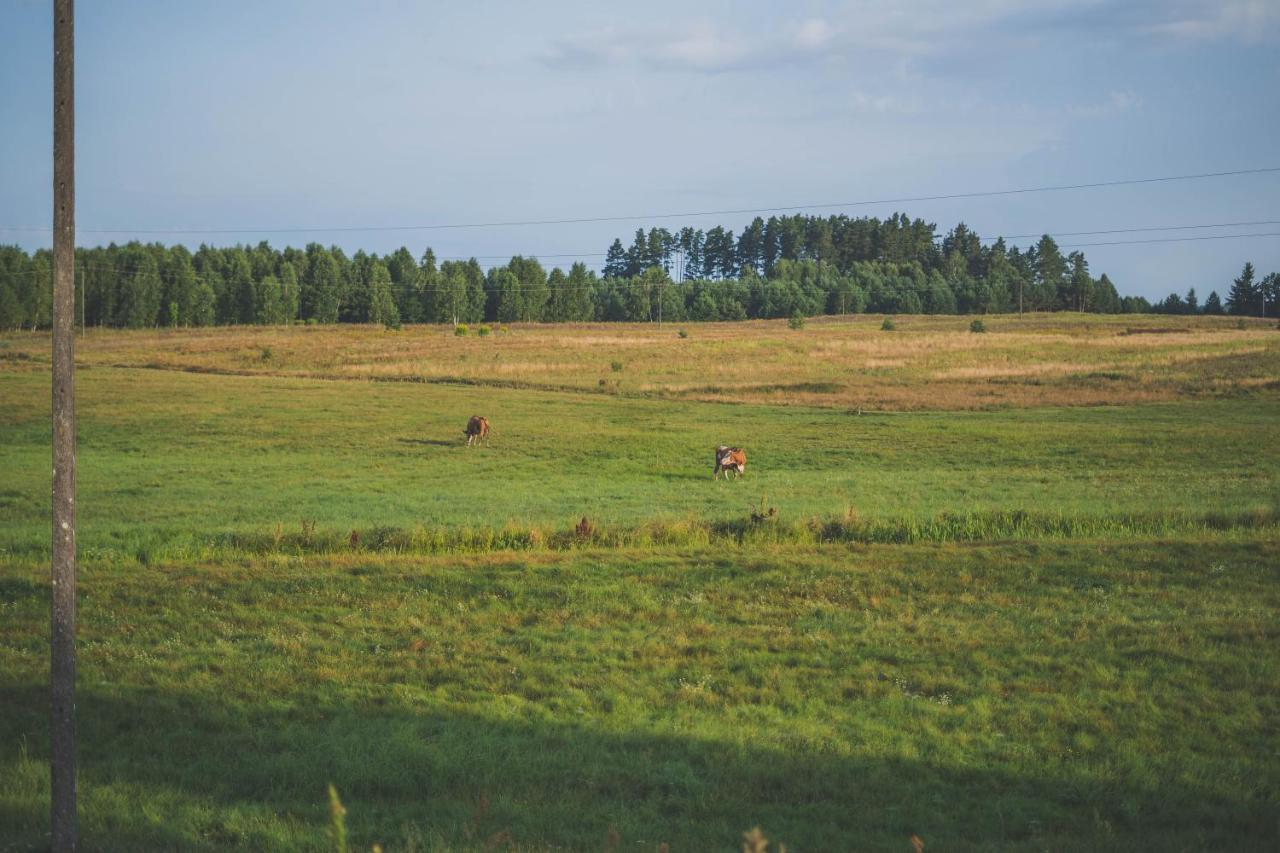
x=928 y=363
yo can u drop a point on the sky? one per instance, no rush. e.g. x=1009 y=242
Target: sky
x=323 y=115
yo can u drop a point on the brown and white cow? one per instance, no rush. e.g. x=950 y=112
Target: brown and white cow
x=730 y=460
x=477 y=430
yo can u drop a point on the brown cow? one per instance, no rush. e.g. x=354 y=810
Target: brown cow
x=730 y=460
x=477 y=430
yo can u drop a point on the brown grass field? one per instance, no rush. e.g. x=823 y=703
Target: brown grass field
x=928 y=363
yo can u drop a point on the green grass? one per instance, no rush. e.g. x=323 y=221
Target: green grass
x=177 y=464
x=1026 y=629
x=1065 y=697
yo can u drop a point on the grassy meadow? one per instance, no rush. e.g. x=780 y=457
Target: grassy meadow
x=1004 y=591
x=929 y=363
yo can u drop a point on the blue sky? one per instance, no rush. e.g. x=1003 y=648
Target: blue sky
x=284 y=114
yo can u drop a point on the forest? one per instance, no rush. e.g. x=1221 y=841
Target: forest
x=780 y=267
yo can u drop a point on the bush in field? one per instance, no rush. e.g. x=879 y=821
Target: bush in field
x=460 y=330
x=796 y=321
x=615 y=366
x=887 y=325
x=482 y=331
x=978 y=327
x=682 y=333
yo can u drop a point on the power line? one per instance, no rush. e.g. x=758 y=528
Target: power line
x=1134 y=230
x=650 y=216
x=1171 y=240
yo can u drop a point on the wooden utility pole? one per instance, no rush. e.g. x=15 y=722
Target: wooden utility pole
x=62 y=760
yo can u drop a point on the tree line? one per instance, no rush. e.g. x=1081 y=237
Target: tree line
x=1249 y=296
x=785 y=266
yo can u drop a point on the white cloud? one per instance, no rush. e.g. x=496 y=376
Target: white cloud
x=699 y=46
x=918 y=29
x=1247 y=20
x=813 y=34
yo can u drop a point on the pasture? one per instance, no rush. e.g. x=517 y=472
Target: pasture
x=1014 y=590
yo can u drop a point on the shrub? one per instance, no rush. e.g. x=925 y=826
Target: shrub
x=682 y=333
x=978 y=327
x=266 y=354
x=482 y=331
x=796 y=321
x=615 y=366
x=460 y=330
x=887 y=325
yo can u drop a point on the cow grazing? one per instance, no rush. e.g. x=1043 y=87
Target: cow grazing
x=730 y=460
x=477 y=430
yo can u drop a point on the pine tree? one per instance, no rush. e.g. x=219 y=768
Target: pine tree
x=659 y=244
x=637 y=255
x=1050 y=276
x=1191 y=302
x=1213 y=305
x=1243 y=297
x=728 y=261
x=713 y=251
x=1106 y=299
x=771 y=244
x=1080 y=283
x=615 y=261
x=690 y=241
x=751 y=245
